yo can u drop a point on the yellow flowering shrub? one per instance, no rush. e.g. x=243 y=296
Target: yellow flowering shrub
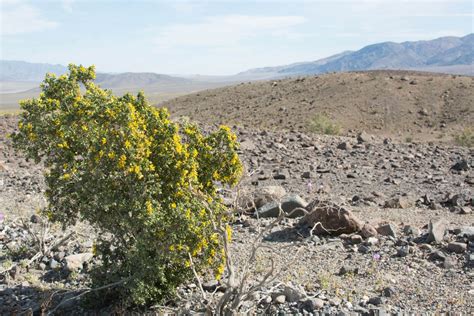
x=146 y=183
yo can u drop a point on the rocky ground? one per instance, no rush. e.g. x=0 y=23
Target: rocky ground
x=401 y=264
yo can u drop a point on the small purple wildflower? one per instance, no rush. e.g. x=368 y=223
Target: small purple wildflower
x=310 y=186
x=376 y=256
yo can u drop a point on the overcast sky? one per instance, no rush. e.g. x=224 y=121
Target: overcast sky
x=215 y=37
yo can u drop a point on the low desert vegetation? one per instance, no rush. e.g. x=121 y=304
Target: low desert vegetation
x=321 y=124
x=147 y=184
x=465 y=138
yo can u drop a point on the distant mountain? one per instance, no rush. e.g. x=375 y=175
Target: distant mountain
x=137 y=80
x=13 y=70
x=434 y=54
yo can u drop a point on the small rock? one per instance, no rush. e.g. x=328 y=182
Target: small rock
x=461 y=166
x=437 y=256
x=368 y=231
x=402 y=202
x=387 y=230
x=465 y=210
x=53 y=264
x=280 y=299
x=371 y=241
x=282 y=175
x=363 y=137
x=35 y=219
x=344 y=146
x=457 y=247
x=389 y=291
x=377 y=300
x=436 y=231
x=210 y=286
x=348 y=270
x=306 y=175
x=403 y=251
x=356 y=239
x=75 y=262
x=335 y=301
x=411 y=230
x=449 y=263
x=288 y=205
x=312 y=304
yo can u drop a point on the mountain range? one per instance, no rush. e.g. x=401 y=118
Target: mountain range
x=20 y=79
x=446 y=54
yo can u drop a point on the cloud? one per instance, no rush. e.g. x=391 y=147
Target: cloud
x=67 y=5
x=18 y=17
x=226 y=31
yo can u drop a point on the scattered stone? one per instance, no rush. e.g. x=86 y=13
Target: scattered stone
x=436 y=231
x=368 y=231
x=280 y=299
x=437 y=255
x=411 y=231
x=356 y=239
x=467 y=232
x=312 y=304
x=387 y=230
x=363 y=137
x=465 y=210
x=457 y=247
x=377 y=300
x=210 y=286
x=403 y=251
x=348 y=270
x=371 y=241
x=460 y=166
x=389 y=291
x=329 y=218
x=306 y=175
x=449 y=263
x=335 y=301
x=271 y=193
x=289 y=205
x=344 y=146
x=282 y=175
x=76 y=261
x=402 y=202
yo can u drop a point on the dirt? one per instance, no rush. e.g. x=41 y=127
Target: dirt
x=379 y=180
x=396 y=104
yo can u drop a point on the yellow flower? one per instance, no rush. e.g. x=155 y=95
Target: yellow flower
x=104 y=140
x=122 y=161
x=127 y=144
x=66 y=176
x=149 y=207
x=173 y=205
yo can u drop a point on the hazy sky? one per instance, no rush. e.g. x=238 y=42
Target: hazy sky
x=215 y=37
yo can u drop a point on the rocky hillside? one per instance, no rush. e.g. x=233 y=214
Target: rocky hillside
x=397 y=104
x=444 y=51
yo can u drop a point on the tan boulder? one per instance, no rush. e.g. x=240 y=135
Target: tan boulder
x=329 y=218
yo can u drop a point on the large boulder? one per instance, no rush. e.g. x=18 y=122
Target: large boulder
x=293 y=206
x=75 y=262
x=329 y=218
x=271 y=193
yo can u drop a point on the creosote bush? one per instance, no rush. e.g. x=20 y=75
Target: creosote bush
x=321 y=124
x=148 y=184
